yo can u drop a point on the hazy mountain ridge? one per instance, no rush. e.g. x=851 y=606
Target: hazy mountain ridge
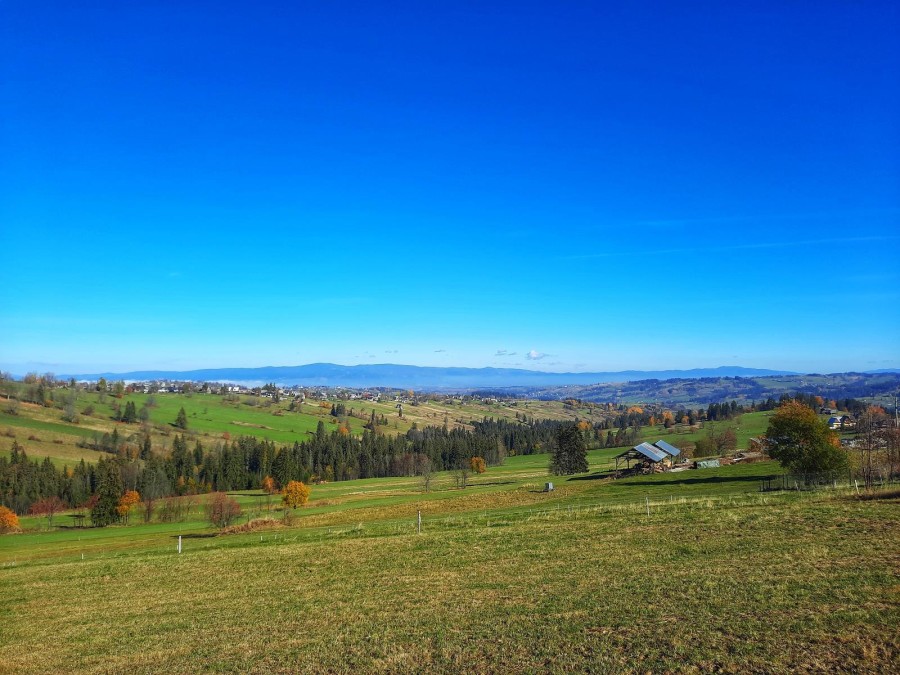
x=689 y=392
x=421 y=377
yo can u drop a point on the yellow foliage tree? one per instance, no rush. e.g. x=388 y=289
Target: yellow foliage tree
x=9 y=521
x=268 y=485
x=478 y=465
x=126 y=502
x=584 y=425
x=295 y=494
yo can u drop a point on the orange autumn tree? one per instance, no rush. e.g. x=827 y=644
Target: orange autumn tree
x=9 y=521
x=268 y=485
x=126 y=503
x=295 y=494
x=478 y=465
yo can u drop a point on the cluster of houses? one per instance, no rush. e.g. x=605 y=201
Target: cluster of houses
x=841 y=423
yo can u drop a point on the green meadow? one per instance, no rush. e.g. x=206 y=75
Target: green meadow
x=689 y=572
x=44 y=433
x=696 y=571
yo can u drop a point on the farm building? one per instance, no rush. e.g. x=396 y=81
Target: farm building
x=659 y=454
x=643 y=453
x=670 y=450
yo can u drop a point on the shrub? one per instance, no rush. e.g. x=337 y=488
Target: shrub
x=254 y=526
x=9 y=521
x=222 y=510
x=48 y=506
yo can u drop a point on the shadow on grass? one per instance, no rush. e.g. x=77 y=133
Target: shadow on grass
x=594 y=476
x=196 y=535
x=705 y=480
x=892 y=494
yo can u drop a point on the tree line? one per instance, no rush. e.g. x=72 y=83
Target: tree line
x=242 y=464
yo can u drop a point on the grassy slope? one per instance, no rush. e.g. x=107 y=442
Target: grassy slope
x=210 y=416
x=503 y=578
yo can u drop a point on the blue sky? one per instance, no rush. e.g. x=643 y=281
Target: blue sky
x=556 y=186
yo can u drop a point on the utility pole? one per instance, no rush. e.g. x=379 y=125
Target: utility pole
x=896 y=419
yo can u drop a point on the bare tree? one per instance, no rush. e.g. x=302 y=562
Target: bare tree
x=424 y=471
x=461 y=475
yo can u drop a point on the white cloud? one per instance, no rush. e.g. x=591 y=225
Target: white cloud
x=535 y=355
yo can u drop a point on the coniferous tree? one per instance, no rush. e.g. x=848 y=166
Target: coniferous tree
x=570 y=453
x=109 y=489
x=181 y=420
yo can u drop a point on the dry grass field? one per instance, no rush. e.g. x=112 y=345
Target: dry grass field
x=503 y=578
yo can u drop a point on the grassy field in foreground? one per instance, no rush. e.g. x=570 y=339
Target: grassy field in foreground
x=391 y=503
x=503 y=578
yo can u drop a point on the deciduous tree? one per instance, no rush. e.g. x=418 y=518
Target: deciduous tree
x=295 y=494
x=802 y=442
x=478 y=465
x=48 y=506
x=222 y=510
x=126 y=502
x=268 y=485
x=9 y=521
x=424 y=471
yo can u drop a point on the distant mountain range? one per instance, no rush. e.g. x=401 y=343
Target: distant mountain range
x=421 y=377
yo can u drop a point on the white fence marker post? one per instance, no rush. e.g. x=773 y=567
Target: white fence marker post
x=648 y=506
x=856 y=483
x=179 y=543
x=419 y=522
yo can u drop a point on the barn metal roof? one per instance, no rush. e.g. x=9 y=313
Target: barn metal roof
x=669 y=449
x=651 y=453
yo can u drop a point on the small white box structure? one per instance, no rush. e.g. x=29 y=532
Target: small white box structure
x=548 y=487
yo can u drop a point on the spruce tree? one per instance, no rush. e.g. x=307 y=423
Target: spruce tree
x=109 y=489
x=181 y=420
x=570 y=453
